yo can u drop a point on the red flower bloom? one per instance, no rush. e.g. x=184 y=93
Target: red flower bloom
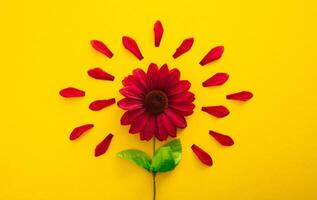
x=156 y=102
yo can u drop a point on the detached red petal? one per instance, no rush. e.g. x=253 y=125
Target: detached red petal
x=217 y=111
x=98 y=73
x=78 y=131
x=102 y=147
x=71 y=92
x=132 y=46
x=225 y=140
x=217 y=79
x=184 y=47
x=158 y=33
x=240 y=96
x=213 y=54
x=100 y=104
x=101 y=47
x=203 y=156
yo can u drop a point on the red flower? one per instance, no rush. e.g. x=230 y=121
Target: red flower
x=156 y=102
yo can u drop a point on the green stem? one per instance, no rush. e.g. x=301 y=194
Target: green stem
x=154 y=174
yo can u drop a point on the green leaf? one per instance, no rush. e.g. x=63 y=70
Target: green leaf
x=163 y=160
x=176 y=148
x=136 y=156
x=167 y=156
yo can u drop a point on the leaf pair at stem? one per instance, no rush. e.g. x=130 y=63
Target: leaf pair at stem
x=165 y=158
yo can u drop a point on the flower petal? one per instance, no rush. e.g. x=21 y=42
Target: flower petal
x=78 y=131
x=173 y=77
x=217 y=111
x=168 y=125
x=180 y=87
x=130 y=92
x=217 y=79
x=98 y=73
x=183 y=109
x=100 y=104
x=225 y=140
x=130 y=104
x=158 y=32
x=71 y=92
x=149 y=129
x=163 y=75
x=140 y=79
x=152 y=76
x=139 y=123
x=177 y=119
x=132 y=46
x=182 y=98
x=162 y=132
x=214 y=54
x=101 y=47
x=203 y=156
x=130 y=116
x=240 y=96
x=102 y=147
x=184 y=47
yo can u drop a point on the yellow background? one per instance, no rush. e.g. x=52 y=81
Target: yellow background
x=270 y=49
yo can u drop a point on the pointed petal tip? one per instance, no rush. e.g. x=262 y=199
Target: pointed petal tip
x=100 y=104
x=71 y=92
x=202 y=155
x=216 y=111
x=224 y=140
x=101 y=47
x=98 y=73
x=240 y=96
x=103 y=146
x=78 y=131
x=214 y=54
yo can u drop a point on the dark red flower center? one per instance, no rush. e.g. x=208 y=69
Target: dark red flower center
x=155 y=101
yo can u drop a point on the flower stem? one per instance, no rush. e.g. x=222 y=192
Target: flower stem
x=154 y=174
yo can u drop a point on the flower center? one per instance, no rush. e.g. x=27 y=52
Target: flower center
x=155 y=101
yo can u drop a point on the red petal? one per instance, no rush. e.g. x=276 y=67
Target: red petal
x=98 y=73
x=132 y=46
x=102 y=147
x=241 y=96
x=202 y=155
x=217 y=79
x=100 y=104
x=184 y=47
x=101 y=47
x=158 y=32
x=217 y=111
x=225 y=140
x=78 y=131
x=213 y=54
x=71 y=92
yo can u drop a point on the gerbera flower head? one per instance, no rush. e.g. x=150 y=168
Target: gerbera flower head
x=156 y=102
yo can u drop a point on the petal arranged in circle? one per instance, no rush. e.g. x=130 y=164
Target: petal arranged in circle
x=130 y=104
x=240 y=96
x=225 y=140
x=149 y=129
x=71 y=92
x=158 y=33
x=139 y=124
x=184 y=47
x=132 y=46
x=180 y=87
x=101 y=47
x=131 y=92
x=214 y=54
x=131 y=116
x=162 y=132
x=217 y=111
x=100 y=104
x=152 y=76
x=100 y=74
x=217 y=79
x=203 y=156
x=177 y=119
x=78 y=131
x=103 y=146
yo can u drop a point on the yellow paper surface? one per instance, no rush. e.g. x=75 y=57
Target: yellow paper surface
x=270 y=49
